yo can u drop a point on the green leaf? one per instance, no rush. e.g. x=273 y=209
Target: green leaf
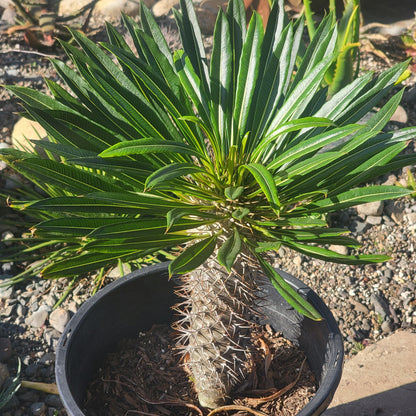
x=356 y=197
x=246 y=79
x=192 y=42
x=266 y=182
x=146 y=146
x=240 y=213
x=229 y=251
x=288 y=293
x=110 y=202
x=116 y=38
x=75 y=226
x=233 y=192
x=9 y=155
x=176 y=214
x=142 y=228
x=193 y=256
x=318 y=236
x=332 y=256
x=301 y=95
x=148 y=243
x=264 y=246
x=192 y=85
x=368 y=169
x=221 y=79
x=172 y=171
x=83 y=263
x=279 y=51
x=151 y=27
x=301 y=169
x=277 y=135
x=67 y=177
x=10 y=388
x=294 y=222
x=310 y=146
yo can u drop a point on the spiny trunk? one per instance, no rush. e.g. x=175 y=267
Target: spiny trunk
x=215 y=329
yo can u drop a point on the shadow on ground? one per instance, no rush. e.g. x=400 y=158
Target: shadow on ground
x=400 y=401
x=387 y=11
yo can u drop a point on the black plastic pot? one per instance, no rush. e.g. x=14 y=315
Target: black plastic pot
x=143 y=298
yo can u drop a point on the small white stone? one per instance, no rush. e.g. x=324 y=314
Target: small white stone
x=59 y=318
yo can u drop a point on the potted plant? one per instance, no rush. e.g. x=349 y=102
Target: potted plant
x=226 y=158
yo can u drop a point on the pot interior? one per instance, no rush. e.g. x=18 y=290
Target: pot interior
x=144 y=298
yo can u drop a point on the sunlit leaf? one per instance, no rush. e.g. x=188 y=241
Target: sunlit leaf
x=193 y=256
x=229 y=250
x=288 y=293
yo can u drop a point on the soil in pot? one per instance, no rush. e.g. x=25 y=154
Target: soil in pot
x=145 y=376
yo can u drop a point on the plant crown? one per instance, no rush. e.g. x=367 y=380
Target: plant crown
x=244 y=151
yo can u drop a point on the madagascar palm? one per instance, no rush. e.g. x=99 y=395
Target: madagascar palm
x=226 y=158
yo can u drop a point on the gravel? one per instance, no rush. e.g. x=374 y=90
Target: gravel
x=369 y=302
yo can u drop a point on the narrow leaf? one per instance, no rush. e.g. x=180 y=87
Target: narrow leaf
x=356 y=197
x=148 y=145
x=172 y=171
x=266 y=182
x=193 y=256
x=288 y=293
x=228 y=252
x=332 y=256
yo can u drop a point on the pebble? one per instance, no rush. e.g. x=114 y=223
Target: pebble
x=360 y=308
x=6 y=292
x=371 y=208
x=4 y=374
x=366 y=325
x=339 y=249
x=380 y=305
x=400 y=115
x=374 y=220
x=359 y=227
x=7 y=268
x=48 y=358
x=53 y=400
x=395 y=211
x=411 y=218
x=59 y=318
x=387 y=327
x=37 y=319
x=32 y=369
x=38 y=409
x=29 y=395
x=386 y=276
x=51 y=337
x=5 y=349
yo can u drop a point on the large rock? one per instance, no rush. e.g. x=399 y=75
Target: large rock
x=371 y=208
x=113 y=8
x=163 y=7
x=108 y=9
x=68 y=7
x=206 y=12
x=24 y=131
x=6 y=3
x=380 y=380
